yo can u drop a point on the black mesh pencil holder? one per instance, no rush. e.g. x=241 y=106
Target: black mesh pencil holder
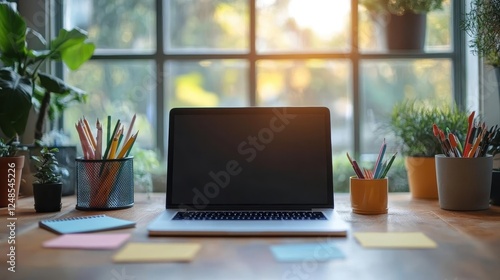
x=104 y=184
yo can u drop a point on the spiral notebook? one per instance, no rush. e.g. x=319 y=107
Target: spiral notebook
x=85 y=224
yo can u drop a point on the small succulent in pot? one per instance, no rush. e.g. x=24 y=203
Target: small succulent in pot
x=47 y=189
x=47 y=167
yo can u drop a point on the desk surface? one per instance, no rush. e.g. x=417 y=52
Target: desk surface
x=468 y=247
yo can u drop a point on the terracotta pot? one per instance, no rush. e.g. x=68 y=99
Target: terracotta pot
x=10 y=178
x=47 y=197
x=422 y=177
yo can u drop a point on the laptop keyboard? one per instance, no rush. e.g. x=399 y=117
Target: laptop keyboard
x=249 y=215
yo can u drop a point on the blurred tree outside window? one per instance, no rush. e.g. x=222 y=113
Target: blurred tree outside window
x=153 y=55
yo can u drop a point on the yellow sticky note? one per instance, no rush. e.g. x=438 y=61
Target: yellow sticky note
x=157 y=252
x=394 y=240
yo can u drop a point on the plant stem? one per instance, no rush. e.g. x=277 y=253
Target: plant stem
x=44 y=106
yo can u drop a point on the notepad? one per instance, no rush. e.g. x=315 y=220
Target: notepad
x=306 y=252
x=85 y=224
x=394 y=240
x=91 y=241
x=157 y=252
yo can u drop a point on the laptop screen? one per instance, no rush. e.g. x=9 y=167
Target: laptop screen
x=249 y=158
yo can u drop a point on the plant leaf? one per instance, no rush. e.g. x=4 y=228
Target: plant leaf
x=12 y=34
x=56 y=85
x=70 y=46
x=14 y=90
x=76 y=55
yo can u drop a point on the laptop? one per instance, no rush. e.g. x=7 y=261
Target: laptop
x=249 y=171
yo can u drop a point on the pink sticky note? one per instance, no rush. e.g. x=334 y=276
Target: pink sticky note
x=87 y=241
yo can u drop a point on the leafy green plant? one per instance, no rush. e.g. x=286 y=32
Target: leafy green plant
x=482 y=23
x=22 y=83
x=400 y=7
x=47 y=167
x=412 y=121
x=8 y=149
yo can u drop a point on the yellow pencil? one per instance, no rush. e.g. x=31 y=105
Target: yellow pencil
x=127 y=145
x=112 y=150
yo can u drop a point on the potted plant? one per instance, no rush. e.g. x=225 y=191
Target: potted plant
x=11 y=167
x=25 y=84
x=404 y=20
x=411 y=122
x=47 y=189
x=23 y=76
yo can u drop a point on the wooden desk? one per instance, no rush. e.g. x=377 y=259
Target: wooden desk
x=468 y=247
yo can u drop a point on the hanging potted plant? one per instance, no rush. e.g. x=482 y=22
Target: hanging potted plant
x=47 y=189
x=411 y=122
x=404 y=20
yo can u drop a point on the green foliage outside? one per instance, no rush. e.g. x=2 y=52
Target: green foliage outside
x=342 y=170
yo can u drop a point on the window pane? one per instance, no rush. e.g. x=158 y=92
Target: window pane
x=207 y=83
x=438 y=29
x=314 y=83
x=114 y=25
x=299 y=25
x=383 y=84
x=386 y=82
x=310 y=83
x=206 y=25
x=119 y=89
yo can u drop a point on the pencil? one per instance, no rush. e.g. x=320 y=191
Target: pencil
x=98 y=152
x=380 y=158
x=129 y=132
x=108 y=133
x=127 y=146
x=89 y=133
x=112 y=151
x=133 y=142
x=108 y=147
x=356 y=168
x=386 y=169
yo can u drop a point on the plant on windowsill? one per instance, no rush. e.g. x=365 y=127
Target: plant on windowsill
x=24 y=79
x=11 y=167
x=404 y=20
x=411 y=122
x=47 y=189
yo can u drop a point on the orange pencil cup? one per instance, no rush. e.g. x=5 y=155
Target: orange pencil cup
x=104 y=184
x=368 y=196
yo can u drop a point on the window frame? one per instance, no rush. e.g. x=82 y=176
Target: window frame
x=456 y=55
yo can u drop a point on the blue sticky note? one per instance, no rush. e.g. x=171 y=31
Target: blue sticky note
x=306 y=252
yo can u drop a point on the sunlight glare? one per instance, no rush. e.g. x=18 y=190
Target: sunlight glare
x=325 y=17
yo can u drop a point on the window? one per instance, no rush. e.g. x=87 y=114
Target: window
x=154 y=55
